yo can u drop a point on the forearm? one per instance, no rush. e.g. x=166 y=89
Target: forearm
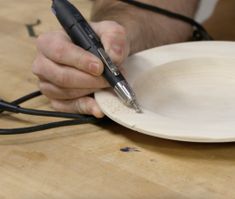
x=146 y=29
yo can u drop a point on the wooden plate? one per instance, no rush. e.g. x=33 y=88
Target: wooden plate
x=186 y=91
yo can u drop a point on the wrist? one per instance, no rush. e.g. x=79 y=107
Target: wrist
x=146 y=29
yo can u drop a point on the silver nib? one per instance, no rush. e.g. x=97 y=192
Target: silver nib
x=136 y=106
x=127 y=95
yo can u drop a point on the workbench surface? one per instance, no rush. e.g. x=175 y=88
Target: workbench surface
x=86 y=161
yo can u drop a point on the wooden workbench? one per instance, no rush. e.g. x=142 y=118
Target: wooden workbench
x=86 y=161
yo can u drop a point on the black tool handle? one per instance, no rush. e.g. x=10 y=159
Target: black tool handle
x=82 y=34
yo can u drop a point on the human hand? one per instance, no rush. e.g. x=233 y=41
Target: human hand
x=68 y=74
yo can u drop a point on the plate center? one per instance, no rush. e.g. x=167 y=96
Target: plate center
x=198 y=89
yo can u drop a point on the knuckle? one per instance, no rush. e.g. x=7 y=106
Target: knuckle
x=55 y=41
x=45 y=90
x=62 y=78
x=81 y=105
x=41 y=40
x=117 y=28
x=78 y=105
x=89 y=105
x=73 y=94
x=56 y=105
x=43 y=87
x=121 y=30
x=84 y=60
x=36 y=66
x=114 y=26
x=59 y=50
x=81 y=58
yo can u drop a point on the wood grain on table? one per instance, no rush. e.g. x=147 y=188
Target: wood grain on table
x=85 y=161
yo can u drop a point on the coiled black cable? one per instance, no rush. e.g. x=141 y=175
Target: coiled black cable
x=14 y=107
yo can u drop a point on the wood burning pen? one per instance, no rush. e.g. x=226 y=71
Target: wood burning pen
x=82 y=35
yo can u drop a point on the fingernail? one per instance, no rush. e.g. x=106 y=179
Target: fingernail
x=117 y=49
x=94 y=68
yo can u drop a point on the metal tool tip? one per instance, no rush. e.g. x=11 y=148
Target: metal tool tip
x=136 y=106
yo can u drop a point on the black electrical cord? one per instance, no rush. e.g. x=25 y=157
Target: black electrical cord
x=14 y=107
x=199 y=34
x=42 y=127
x=6 y=106
x=27 y=97
x=24 y=99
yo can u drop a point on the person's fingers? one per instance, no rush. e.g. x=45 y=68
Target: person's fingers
x=58 y=47
x=54 y=92
x=84 y=105
x=114 y=38
x=65 y=76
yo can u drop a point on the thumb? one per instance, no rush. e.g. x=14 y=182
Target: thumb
x=114 y=38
